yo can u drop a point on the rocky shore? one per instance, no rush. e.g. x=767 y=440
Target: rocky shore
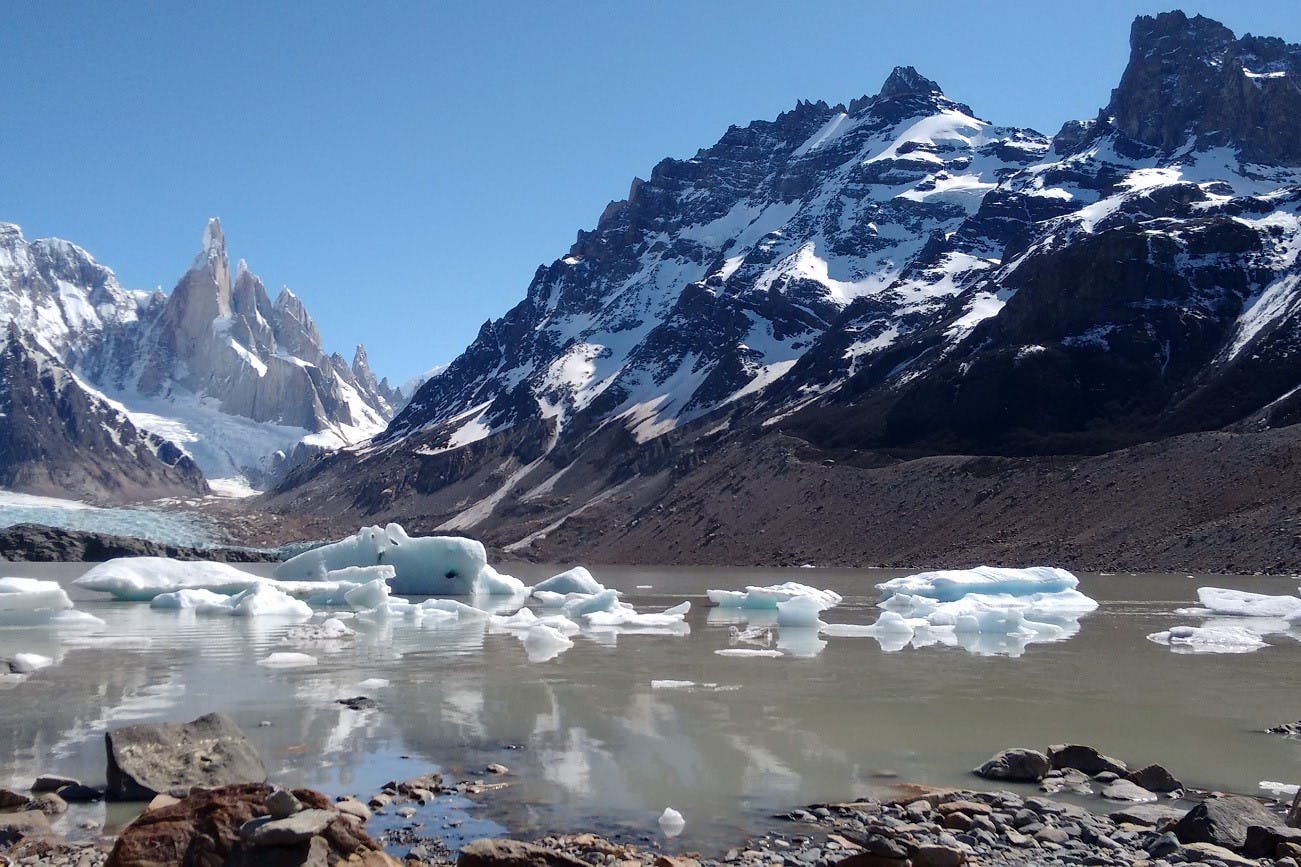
x=209 y=803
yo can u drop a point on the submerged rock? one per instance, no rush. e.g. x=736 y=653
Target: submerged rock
x=154 y=758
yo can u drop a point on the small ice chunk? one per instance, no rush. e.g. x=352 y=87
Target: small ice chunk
x=522 y=619
x=1238 y=603
x=288 y=660
x=606 y=600
x=1209 y=639
x=189 y=600
x=374 y=683
x=769 y=597
x=672 y=684
x=263 y=600
x=747 y=651
x=761 y=635
x=453 y=607
x=947 y=585
x=372 y=594
x=671 y=822
x=26 y=663
x=543 y=642
x=575 y=580
x=493 y=583
x=330 y=629
x=1279 y=790
x=33 y=602
x=802 y=611
x=627 y=616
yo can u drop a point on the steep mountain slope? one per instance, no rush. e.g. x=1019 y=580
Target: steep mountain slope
x=238 y=382
x=60 y=438
x=893 y=277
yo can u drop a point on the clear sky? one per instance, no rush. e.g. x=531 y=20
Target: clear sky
x=404 y=167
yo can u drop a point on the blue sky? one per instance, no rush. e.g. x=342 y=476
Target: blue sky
x=404 y=167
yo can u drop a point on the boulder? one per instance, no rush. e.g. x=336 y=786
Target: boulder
x=1124 y=790
x=1263 y=842
x=1155 y=778
x=1151 y=815
x=1223 y=821
x=1015 y=765
x=15 y=827
x=171 y=758
x=512 y=853
x=52 y=783
x=282 y=803
x=1086 y=759
x=205 y=827
x=1198 y=852
x=298 y=827
x=79 y=794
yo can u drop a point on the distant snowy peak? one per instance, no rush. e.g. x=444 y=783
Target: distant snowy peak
x=715 y=275
x=213 y=357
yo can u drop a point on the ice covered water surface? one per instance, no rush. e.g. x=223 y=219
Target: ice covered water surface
x=33 y=602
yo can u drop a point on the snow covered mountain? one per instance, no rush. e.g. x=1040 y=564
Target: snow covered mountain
x=895 y=275
x=236 y=382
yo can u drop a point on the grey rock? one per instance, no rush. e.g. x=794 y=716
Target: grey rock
x=10 y=800
x=1016 y=765
x=282 y=803
x=1164 y=844
x=1223 y=821
x=153 y=758
x=1051 y=835
x=297 y=828
x=1152 y=815
x=80 y=794
x=1085 y=759
x=1155 y=778
x=353 y=807
x=52 y=783
x=1124 y=790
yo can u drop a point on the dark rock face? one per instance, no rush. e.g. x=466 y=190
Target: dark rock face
x=57 y=438
x=1084 y=758
x=38 y=543
x=169 y=758
x=1223 y=821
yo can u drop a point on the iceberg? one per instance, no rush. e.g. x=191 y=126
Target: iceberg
x=1209 y=639
x=33 y=602
x=802 y=611
x=627 y=618
x=606 y=600
x=948 y=585
x=575 y=580
x=747 y=651
x=671 y=822
x=140 y=579
x=423 y=565
x=1237 y=603
x=288 y=660
x=769 y=597
x=26 y=663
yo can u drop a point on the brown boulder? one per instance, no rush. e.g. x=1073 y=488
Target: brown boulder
x=203 y=829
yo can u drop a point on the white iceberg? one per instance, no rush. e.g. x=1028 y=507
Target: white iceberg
x=671 y=822
x=605 y=600
x=33 y=602
x=288 y=660
x=1238 y=603
x=26 y=663
x=626 y=619
x=1209 y=639
x=769 y=597
x=140 y=579
x=263 y=600
x=575 y=580
x=423 y=565
x=331 y=629
x=190 y=600
x=748 y=651
x=947 y=585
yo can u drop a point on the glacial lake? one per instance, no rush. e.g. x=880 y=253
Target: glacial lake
x=607 y=734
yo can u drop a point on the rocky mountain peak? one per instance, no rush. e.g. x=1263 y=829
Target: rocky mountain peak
x=1191 y=80
x=907 y=81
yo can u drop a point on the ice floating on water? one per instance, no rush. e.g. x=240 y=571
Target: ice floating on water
x=1279 y=790
x=288 y=660
x=605 y=600
x=576 y=580
x=947 y=585
x=1209 y=639
x=26 y=663
x=769 y=597
x=671 y=822
x=543 y=642
x=330 y=629
x=627 y=616
x=423 y=565
x=802 y=611
x=140 y=579
x=32 y=602
x=373 y=683
x=189 y=600
x=260 y=600
x=754 y=635
x=672 y=684
x=1238 y=603
x=747 y=651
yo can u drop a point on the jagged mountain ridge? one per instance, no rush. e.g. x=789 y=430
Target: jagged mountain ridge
x=238 y=382
x=890 y=275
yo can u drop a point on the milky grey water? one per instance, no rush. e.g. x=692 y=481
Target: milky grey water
x=592 y=742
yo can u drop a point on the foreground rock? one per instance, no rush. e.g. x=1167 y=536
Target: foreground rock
x=1224 y=821
x=171 y=758
x=41 y=544
x=208 y=827
x=513 y=853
